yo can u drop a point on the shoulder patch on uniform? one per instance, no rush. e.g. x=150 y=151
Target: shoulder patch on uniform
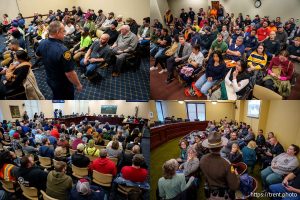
x=67 y=55
x=232 y=169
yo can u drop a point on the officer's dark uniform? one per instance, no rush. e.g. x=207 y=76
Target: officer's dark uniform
x=57 y=60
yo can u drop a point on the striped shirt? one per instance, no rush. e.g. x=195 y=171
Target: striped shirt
x=258 y=61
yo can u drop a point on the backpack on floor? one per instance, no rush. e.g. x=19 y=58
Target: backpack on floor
x=246 y=184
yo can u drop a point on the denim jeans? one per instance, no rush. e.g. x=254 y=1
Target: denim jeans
x=89 y=68
x=279 y=188
x=203 y=85
x=153 y=49
x=269 y=177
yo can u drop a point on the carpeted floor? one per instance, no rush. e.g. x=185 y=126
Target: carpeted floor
x=171 y=150
x=162 y=91
x=131 y=85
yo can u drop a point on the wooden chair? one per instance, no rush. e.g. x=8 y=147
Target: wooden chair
x=92 y=158
x=100 y=147
x=115 y=160
x=30 y=192
x=9 y=186
x=125 y=189
x=262 y=93
x=47 y=197
x=45 y=162
x=79 y=172
x=72 y=151
x=102 y=179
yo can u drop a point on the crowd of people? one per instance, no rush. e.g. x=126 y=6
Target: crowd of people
x=24 y=142
x=232 y=53
x=225 y=154
x=64 y=40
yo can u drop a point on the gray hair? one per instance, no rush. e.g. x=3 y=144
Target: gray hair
x=126 y=27
x=54 y=27
x=240 y=38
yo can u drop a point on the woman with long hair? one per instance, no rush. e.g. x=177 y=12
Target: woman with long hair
x=216 y=69
x=235 y=83
x=280 y=73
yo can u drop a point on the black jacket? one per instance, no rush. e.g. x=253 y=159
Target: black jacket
x=32 y=177
x=80 y=160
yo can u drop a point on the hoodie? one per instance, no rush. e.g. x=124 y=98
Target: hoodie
x=104 y=165
x=58 y=185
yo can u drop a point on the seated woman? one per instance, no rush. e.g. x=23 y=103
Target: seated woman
x=81 y=48
x=194 y=62
x=216 y=69
x=281 y=165
x=162 y=60
x=172 y=184
x=192 y=164
x=17 y=75
x=91 y=149
x=235 y=84
x=183 y=145
x=235 y=156
x=249 y=155
x=280 y=73
x=114 y=151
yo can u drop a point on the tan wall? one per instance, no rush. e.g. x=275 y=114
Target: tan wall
x=136 y=9
x=8 y=7
x=272 y=8
x=283 y=120
x=157 y=9
x=153 y=109
x=213 y=111
x=125 y=108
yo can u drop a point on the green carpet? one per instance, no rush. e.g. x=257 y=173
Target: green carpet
x=171 y=150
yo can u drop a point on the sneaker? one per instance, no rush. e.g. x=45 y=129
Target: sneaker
x=162 y=71
x=153 y=68
x=82 y=76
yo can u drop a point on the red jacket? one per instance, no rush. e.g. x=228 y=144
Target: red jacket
x=134 y=174
x=104 y=165
x=55 y=133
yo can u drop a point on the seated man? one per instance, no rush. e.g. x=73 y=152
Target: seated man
x=275 y=150
x=182 y=54
x=263 y=32
x=144 y=33
x=135 y=173
x=58 y=183
x=79 y=159
x=235 y=35
x=113 y=33
x=294 y=50
x=30 y=175
x=45 y=150
x=103 y=164
x=97 y=55
x=236 y=51
x=281 y=36
x=206 y=40
x=217 y=45
x=281 y=165
x=125 y=44
x=290 y=185
x=250 y=42
x=272 y=46
x=106 y=24
x=9 y=55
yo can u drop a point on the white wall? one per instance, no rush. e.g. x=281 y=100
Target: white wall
x=273 y=8
x=123 y=107
x=157 y=9
x=8 y=7
x=136 y=9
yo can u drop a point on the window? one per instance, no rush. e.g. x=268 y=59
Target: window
x=196 y=111
x=159 y=109
x=253 y=108
x=32 y=106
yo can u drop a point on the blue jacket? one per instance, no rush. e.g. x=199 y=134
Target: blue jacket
x=249 y=156
x=216 y=73
x=241 y=49
x=250 y=41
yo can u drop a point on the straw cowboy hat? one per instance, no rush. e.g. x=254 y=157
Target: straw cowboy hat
x=214 y=140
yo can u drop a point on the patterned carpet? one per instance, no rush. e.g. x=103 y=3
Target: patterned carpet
x=130 y=85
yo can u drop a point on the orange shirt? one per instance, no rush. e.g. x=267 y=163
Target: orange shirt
x=213 y=12
x=272 y=28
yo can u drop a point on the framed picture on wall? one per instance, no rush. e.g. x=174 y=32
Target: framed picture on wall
x=15 y=111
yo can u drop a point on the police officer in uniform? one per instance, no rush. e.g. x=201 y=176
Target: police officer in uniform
x=58 y=63
x=221 y=178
